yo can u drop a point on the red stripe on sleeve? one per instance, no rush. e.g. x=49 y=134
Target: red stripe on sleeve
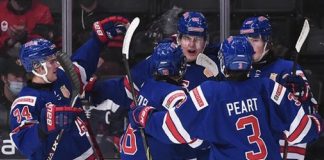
x=174 y=130
x=294 y=149
x=299 y=129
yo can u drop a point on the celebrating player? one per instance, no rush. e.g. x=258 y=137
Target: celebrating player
x=42 y=108
x=243 y=121
x=265 y=64
x=169 y=66
x=192 y=37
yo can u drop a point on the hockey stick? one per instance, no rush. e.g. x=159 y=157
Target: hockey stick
x=301 y=39
x=125 y=51
x=208 y=63
x=67 y=65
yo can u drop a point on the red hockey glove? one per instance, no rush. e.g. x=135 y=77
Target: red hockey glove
x=108 y=28
x=298 y=86
x=139 y=116
x=54 y=118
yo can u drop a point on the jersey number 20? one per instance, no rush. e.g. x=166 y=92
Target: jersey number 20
x=253 y=138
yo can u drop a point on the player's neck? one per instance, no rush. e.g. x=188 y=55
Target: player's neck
x=38 y=80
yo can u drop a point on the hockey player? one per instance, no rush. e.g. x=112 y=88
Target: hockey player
x=265 y=64
x=169 y=66
x=42 y=108
x=192 y=37
x=244 y=121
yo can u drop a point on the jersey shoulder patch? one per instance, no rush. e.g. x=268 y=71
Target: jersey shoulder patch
x=174 y=99
x=198 y=98
x=277 y=93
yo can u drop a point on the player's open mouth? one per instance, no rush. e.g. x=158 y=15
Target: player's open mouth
x=192 y=51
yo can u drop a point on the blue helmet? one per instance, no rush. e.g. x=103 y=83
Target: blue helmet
x=235 y=54
x=193 y=23
x=168 y=60
x=36 y=52
x=257 y=26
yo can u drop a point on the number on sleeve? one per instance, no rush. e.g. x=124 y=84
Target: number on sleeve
x=241 y=123
x=129 y=145
x=24 y=113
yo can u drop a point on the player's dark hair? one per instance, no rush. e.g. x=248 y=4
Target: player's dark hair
x=168 y=79
x=237 y=75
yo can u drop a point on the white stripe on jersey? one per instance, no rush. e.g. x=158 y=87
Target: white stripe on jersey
x=25 y=100
x=172 y=98
x=295 y=126
x=178 y=126
x=85 y=155
x=303 y=133
x=295 y=151
x=277 y=93
x=196 y=143
x=198 y=98
x=297 y=120
x=83 y=74
x=300 y=145
x=168 y=132
x=128 y=93
x=294 y=156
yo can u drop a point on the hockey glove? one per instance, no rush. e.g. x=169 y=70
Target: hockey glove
x=54 y=118
x=139 y=116
x=109 y=28
x=298 y=86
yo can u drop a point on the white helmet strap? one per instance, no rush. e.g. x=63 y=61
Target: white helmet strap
x=43 y=76
x=265 y=51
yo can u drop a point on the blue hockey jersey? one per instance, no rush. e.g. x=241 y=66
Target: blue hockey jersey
x=118 y=90
x=277 y=69
x=26 y=110
x=163 y=96
x=241 y=119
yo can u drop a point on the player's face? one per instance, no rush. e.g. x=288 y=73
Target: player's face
x=258 y=46
x=52 y=66
x=192 y=46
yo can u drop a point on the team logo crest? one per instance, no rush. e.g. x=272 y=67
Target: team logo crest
x=273 y=76
x=4 y=26
x=66 y=93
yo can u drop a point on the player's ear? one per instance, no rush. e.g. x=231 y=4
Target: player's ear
x=39 y=68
